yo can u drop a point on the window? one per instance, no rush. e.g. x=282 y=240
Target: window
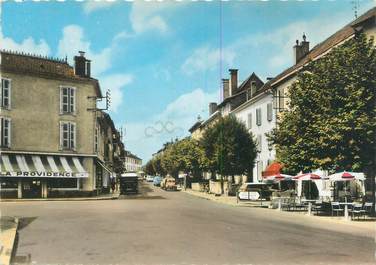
x=5 y=132
x=258 y=117
x=67 y=100
x=63 y=183
x=270 y=112
x=259 y=142
x=96 y=140
x=253 y=88
x=68 y=135
x=249 y=120
x=281 y=102
x=5 y=93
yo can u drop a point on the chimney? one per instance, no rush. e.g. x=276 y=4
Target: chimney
x=226 y=88
x=301 y=50
x=233 y=81
x=81 y=65
x=212 y=108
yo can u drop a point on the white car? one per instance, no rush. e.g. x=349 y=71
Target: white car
x=149 y=178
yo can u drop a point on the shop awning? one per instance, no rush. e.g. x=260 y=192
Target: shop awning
x=38 y=166
x=272 y=169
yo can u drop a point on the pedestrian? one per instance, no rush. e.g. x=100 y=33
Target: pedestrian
x=113 y=185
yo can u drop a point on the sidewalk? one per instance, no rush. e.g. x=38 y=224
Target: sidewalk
x=8 y=231
x=110 y=196
x=367 y=226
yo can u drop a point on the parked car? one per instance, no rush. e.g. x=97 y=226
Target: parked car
x=157 y=181
x=254 y=191
x=169 y=183
x=149 y=178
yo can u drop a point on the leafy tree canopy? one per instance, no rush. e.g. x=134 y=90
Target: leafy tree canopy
x=331 y=119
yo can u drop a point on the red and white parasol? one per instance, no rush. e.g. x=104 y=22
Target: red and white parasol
x=307 y=176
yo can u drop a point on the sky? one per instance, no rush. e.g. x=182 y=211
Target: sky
x=164 y=60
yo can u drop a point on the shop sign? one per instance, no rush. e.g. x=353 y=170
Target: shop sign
x=37 y=174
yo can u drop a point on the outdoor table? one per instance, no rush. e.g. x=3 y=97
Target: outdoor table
x=346 y=208
x=309 y=205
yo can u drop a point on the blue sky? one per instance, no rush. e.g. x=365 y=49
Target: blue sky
x=161 y=59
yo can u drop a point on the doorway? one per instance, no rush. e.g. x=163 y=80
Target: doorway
x=31 y=188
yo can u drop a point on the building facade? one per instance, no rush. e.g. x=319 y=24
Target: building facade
x=50 y=131
x=132 y=162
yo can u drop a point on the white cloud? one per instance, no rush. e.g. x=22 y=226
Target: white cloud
x=148 y=136
x=92 y=6
x=115 y=83
x=207 y=58
x=145 y=16
x=73 y=40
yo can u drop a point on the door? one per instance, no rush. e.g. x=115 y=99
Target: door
x=31 y=188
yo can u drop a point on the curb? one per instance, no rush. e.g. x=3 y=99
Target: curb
x=8 y=250
x=62 y=199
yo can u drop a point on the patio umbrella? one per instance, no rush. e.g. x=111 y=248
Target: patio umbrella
x=346 y=176
x=306 y=177
x=278 y=177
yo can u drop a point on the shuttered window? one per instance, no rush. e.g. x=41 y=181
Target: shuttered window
x=5 y=132
x=258 y=117
x=270 y=112
x=249 y=123
x=68 y=135
x=67 y=100
x=5 y=93
x=259 y=143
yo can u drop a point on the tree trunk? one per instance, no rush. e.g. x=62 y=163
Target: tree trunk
x=222 y=189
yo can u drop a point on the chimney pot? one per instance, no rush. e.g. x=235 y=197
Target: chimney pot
x=226 y=88
x=233 y=81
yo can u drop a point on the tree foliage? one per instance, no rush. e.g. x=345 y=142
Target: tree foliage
x=331 y=119
x=229 y=147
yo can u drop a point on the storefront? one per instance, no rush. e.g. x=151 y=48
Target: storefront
x=38 y=176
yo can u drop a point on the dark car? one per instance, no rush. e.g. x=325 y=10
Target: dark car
x=129 y=183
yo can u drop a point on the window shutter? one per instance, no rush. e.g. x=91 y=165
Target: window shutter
x=61 y=135
x=61 y=104
x=259 y=142
x=270 y=111
x=249 y=120
x=1 y=132
x=72 y=135
x=1 y=92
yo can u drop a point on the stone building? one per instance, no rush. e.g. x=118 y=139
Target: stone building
x=51 y=142
x=132 y=162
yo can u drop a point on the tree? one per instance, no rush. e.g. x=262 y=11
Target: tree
x=118 y=165
x=229 y=147
x=331 y=120
x=149 y=168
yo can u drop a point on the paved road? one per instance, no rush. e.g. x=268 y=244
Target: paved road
x=177 y=228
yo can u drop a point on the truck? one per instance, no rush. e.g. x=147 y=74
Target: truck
x=129 y=183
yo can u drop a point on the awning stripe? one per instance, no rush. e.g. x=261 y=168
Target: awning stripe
x=38 y=163
x=52 y=164
x=22 y=163
x=65 y=164
x=6 y=163
x=78 y=165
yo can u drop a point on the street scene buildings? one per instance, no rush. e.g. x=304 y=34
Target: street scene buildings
x=188 y=133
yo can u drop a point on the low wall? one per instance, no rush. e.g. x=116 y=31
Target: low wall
x=197 y=186
x=215 y=187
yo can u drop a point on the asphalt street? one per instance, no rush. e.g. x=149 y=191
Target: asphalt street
x=159 y=227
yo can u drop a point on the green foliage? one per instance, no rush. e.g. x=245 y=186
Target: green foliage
x=186 y=156
x=229 y=147
x=118 y=165
x=331 y=119
x=149 y=168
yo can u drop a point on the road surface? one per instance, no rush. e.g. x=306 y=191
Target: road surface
x=160 y=227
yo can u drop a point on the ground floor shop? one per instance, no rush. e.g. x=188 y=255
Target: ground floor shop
x=44 y=176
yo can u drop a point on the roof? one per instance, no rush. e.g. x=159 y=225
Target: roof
x=242 y=89
x=341 y=35
x=47 y=67
x=195 y=126
x=129 y=154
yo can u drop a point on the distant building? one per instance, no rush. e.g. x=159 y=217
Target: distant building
x=132 y=162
